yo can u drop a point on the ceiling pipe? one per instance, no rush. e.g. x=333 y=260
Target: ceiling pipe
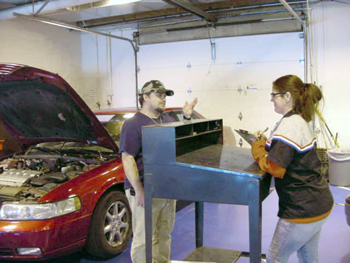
x=50 y=6
x=121 y=20
x=41 y=8
x=306 y=47
x=80 y=29
x=291 y=10
x=192 y=9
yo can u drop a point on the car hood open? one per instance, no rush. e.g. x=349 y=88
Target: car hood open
x=38 y=106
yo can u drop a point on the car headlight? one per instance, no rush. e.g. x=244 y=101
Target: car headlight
x=36 y=211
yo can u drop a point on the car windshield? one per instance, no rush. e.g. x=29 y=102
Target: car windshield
x=113 y=122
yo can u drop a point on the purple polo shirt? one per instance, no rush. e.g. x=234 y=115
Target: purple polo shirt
x=131 y=138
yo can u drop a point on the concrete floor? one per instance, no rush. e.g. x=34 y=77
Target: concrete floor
x=226 y=227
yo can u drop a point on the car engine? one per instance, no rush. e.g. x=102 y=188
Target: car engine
x=30 y=177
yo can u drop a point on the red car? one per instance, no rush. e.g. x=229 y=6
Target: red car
x=63 y=191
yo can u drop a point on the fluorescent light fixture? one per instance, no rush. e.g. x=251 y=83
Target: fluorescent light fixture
x=121 y=2
x=99 y=4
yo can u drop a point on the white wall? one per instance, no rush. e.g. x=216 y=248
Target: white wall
x=103 y=58
x=43 y=46
x=85 y=62
x=264 y=58
x=215 y=83
x=331 y=55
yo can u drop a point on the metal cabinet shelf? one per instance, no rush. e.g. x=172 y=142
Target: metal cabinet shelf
x=187 y=161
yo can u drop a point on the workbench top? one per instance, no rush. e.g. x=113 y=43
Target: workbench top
x=221 y=157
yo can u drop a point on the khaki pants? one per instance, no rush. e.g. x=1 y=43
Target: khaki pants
x=163 y=218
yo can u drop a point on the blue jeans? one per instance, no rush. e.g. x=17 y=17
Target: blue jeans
x=290 y=237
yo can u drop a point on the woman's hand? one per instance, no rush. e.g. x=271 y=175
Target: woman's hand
x=260 y=134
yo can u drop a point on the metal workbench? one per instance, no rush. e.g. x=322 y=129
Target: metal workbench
x=187 y=161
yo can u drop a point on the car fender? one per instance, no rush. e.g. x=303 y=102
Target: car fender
x=90 y=186
x=113 y=182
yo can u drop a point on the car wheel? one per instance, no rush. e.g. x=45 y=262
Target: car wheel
x=110 y=227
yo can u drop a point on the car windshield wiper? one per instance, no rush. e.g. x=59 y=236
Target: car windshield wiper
x=71 y=151
x=46 y=150
x=79 y=151
x=88 y=153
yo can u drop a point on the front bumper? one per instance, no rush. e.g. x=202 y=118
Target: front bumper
x=55 y=237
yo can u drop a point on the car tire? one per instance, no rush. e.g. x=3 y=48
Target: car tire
x=110 y=227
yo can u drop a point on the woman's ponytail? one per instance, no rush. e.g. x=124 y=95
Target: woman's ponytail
x=306 y=96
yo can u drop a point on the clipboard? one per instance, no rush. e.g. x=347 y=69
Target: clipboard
x=246 y=135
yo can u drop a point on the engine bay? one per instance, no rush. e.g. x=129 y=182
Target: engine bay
x=29 y=177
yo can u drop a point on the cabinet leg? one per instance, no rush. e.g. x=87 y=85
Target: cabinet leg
x=255 y=222
x=199 y=214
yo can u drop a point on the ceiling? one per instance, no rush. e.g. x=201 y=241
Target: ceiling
x=171 y=16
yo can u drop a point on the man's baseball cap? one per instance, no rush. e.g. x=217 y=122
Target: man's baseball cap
x=156 y=86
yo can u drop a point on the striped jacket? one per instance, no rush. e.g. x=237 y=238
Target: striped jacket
x=289 y=154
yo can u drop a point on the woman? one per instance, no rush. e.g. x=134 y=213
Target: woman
x=289 y=155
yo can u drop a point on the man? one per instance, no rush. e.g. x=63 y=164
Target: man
x=152 y=99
